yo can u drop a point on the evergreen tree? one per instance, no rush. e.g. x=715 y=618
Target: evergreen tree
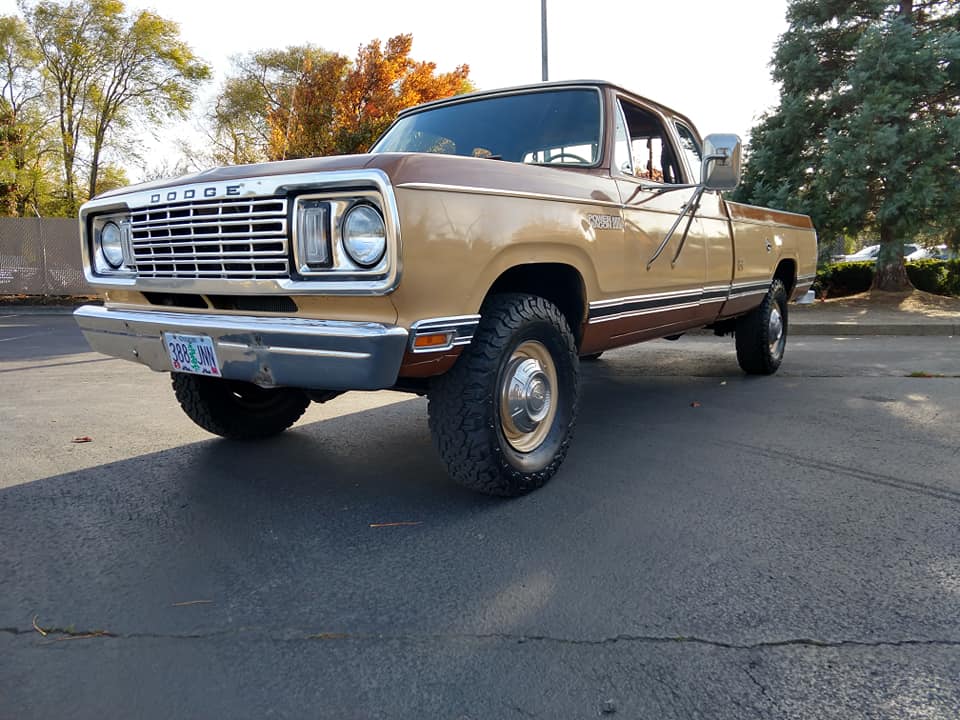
x=866 y=137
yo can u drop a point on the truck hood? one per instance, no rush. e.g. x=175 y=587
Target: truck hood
x=420 y=169
x=238 y=172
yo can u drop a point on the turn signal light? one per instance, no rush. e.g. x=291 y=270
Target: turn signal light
x=431 y=341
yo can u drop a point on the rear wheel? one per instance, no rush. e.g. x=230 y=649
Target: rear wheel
x=238 y=410
x=761 y=335
x=502 y=418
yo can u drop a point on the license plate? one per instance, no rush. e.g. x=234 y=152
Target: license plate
x=192 y=354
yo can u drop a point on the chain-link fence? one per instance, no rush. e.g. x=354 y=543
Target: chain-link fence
x=41 y=256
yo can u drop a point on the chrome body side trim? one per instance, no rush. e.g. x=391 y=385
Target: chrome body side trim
x=270 y=352
x=618 y=308
x=746 y=289
x=379 y=281
x=459 y=329
x=443 y=187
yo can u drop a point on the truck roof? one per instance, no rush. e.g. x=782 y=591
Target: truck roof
x=478 y=94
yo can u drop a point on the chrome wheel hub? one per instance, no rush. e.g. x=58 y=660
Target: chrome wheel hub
x=528 y=393
x=527 y=401
x=775 y=332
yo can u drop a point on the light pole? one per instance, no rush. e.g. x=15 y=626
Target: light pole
x=543 y=37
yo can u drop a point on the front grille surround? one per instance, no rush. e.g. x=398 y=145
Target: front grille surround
x=227 y=238
x=226 y=184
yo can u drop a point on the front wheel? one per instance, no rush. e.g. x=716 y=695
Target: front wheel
x=502 y=418
x=238 y=410
x=761 y=335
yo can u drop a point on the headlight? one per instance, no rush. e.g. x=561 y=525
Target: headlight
x=111 y=244
x=364 y=235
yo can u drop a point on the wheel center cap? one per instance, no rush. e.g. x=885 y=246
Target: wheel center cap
x=536 y=395
x=529 y=394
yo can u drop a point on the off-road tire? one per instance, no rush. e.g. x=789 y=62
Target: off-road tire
x=592 y=357
x=753 y=338
x=238 y=410
x=464 y=403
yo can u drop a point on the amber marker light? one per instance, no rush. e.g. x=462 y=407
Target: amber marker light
x=435 y=340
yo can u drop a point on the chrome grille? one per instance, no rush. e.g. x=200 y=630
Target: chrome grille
x=230 y=238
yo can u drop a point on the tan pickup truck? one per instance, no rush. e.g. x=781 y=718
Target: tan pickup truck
x=486 y=245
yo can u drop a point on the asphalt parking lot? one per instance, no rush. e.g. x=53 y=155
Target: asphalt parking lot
x=715 y=546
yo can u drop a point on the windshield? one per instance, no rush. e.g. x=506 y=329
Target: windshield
x=549 y=127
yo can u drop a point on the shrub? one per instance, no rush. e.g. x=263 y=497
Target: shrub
x=940 y=277
x=844 y=278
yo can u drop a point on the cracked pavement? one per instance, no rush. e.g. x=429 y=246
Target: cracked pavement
x=787 y=549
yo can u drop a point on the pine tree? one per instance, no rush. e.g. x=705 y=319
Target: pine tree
x=866 y=137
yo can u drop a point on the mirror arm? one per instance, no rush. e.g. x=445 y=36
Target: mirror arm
x=690 y=207
x=661 y=189
x=695 y=202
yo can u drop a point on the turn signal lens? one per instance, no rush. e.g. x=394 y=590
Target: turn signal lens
x=424 y=342
x=312 y=233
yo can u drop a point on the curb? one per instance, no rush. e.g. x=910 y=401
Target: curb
x=935 y=329
x=37 y=309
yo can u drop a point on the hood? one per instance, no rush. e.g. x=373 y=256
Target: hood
x=238 y=172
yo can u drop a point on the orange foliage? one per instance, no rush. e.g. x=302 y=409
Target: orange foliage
x=339 y=108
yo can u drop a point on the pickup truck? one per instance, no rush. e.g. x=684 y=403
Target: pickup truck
x=485 y=246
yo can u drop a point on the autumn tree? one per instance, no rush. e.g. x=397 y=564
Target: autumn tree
x=109 y=72
x=384 y=81
x=261 y=83
x=305 y=126
x=26 y=145
x=866 y=137
x=340 y=107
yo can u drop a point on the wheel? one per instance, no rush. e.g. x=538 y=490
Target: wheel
x=592 y=357
x=238 y=410
x=502 y=418
x=761 y=335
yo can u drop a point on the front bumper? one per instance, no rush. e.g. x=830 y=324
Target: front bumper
x=270 y=352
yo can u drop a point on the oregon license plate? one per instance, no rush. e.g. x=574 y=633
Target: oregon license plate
x=192 y=354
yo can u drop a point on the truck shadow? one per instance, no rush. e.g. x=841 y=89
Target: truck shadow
x=352 y=522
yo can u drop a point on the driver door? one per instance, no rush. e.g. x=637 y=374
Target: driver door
x=664 y=294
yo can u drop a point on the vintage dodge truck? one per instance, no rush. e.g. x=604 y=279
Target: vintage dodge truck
x=485 y=246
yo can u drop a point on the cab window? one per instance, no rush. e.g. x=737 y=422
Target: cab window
x=654 y=158
x=690 y=148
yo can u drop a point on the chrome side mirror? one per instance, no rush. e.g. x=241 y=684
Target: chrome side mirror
x=721 y=162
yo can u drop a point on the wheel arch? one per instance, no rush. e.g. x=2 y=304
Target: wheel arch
x=786 y=273
x=560 y=283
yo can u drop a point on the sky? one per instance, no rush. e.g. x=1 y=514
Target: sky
x=706 y=59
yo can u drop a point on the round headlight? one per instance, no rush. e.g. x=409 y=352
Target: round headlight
x=364 y=235
x=111 y=245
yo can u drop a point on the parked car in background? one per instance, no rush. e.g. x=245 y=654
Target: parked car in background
x=911 y=251
x=942 y=252
x=865 y=254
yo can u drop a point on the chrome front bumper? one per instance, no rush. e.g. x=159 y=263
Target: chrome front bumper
x=270 y=352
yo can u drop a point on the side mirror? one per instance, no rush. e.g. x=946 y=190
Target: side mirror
x=721 y=162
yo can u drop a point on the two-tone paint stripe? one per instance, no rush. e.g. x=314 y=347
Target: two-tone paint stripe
x=624 y=307
x=740 y=290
